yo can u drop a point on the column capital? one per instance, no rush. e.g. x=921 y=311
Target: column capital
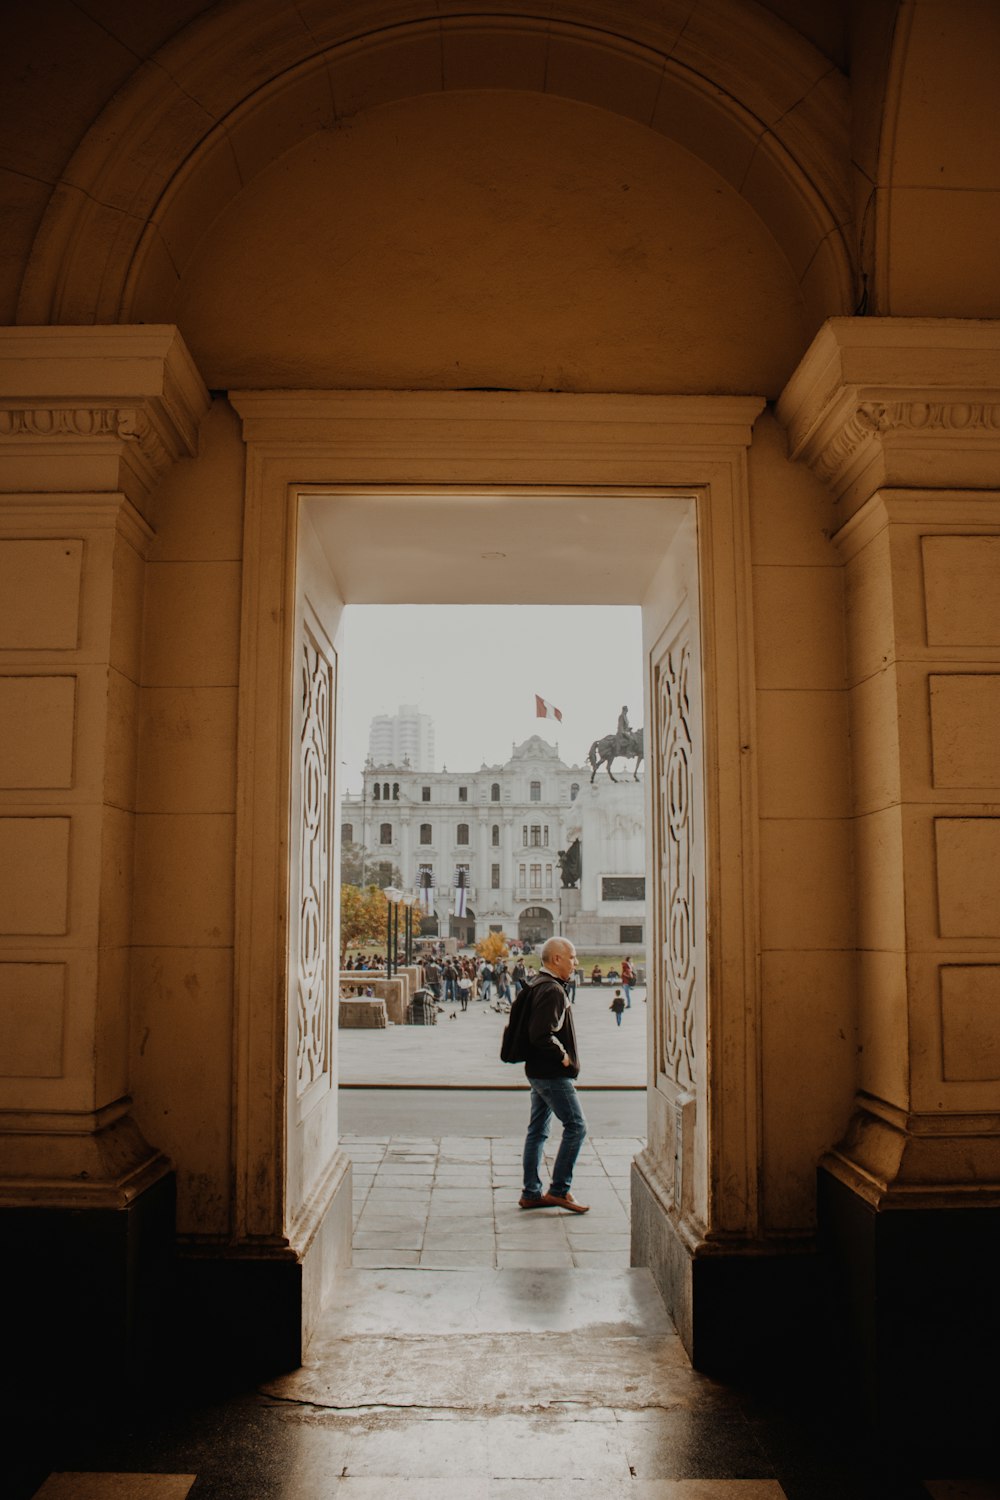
x=96 y=409
x=897 y=403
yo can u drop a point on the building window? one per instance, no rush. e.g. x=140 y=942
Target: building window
x=395 y=791
x=425 y=833
x=536 y=877
x=425 y=794
x=522 y=875
x=347 y=833
x=524 y=834
x=574 y=791
x=462 y=836
x=548 y=877
x=535 y=794
x=495 y=792
x=545 y=835
x=384 y=873
x=496 y=834
x=376 y=793
x=385 y=833
x=536 y=835
x=623 y=888
x=630 y=934
x=385 y=791
x=463 y=794
x=494 y=877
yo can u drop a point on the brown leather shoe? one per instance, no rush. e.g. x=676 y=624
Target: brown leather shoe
x=568 y=1201
x=527 y=1202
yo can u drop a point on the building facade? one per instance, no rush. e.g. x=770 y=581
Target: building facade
x=500 y=830
x=403 y=738
x=689 y=305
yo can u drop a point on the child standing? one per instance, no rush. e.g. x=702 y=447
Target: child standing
x=617 y=1005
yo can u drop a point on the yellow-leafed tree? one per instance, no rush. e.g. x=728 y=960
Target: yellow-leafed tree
x=363 y=916
x=493 y=946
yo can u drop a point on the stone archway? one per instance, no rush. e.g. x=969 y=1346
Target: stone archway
x=535 y=925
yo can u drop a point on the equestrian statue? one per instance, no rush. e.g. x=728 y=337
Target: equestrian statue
x=625 y=742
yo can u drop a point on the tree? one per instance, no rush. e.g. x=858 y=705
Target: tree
x=361 y=868
x=492 y=947
x=363 y=916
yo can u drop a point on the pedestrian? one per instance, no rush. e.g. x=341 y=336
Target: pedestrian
x=485 y=980
x=617 y=1005
x=464 y=987
x=628 y=980
x=553 y=1062
x=519 y=975
x=450 y=976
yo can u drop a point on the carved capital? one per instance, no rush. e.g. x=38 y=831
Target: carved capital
x=85 y=409
x=897 y=403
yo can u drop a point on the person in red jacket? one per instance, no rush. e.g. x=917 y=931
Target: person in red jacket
x=553 y=1062
x=628 y=980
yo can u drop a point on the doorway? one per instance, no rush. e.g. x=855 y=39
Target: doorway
x=589 y=499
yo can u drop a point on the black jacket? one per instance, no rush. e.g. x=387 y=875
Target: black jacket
x=551 y=1022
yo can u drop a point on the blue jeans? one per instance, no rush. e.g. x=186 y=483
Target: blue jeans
x=553 y=1096
x=628 y=994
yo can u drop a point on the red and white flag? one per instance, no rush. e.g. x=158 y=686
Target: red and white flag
x=545 y=710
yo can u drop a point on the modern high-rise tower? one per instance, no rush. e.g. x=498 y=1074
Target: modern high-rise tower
x=406 y=735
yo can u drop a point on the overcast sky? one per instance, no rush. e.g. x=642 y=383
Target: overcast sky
x=476 y=669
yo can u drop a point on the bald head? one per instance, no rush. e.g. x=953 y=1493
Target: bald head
x=559 y=957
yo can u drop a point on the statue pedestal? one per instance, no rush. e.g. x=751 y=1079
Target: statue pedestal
x=570 y=903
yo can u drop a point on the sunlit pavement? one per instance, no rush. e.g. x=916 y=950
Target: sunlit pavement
x=463 y=1049
x=452 y=1202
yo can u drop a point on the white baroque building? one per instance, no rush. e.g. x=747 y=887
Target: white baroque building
x=394 y=739
x=503 y=827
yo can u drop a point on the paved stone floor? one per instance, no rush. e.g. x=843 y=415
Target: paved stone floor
x=478 y=1352
x=420 y=1201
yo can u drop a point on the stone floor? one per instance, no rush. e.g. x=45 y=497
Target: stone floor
x=420 y=1201
x=478 y=1352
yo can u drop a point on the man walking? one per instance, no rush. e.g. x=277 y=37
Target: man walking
x=552 y=1064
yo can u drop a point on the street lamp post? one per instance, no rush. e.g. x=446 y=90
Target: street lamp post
x=408 y=901
x=393 y=897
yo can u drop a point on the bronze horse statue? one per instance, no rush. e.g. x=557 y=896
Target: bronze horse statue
x=603 y=752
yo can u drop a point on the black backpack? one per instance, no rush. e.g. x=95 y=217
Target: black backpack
x=514 y=1042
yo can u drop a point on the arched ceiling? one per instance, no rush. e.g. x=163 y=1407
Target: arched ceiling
x=242 y=82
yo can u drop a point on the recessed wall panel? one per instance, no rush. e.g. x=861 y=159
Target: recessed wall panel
x=968 y=876
x=970 y=1022
x=36 y=742
x=32 y=1005
x=962 y=590
x=965 y=729
x=40 y=595
x=34 y=876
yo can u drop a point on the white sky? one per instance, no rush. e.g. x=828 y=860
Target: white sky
x=476 y=669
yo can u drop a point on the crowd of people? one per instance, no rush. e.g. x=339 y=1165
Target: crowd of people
x=457 y=979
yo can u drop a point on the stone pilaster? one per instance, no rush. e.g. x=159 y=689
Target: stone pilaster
x=90 y=420
x=902 y=419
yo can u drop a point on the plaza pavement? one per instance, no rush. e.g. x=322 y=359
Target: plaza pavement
x=464 y=1052
x=434 y=1125
x=451 y=1202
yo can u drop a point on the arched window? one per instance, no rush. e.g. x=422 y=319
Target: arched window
x=495 y=792
x=536 y=791
x=385 y=791
x=463 y=833
x=425 y=833
x=395 y=791
x=496 y=833
x=574 y=791
x=376 y=792
x=385 y=833
x=347 y=833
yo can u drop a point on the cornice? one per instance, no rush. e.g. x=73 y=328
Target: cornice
x=897 y=402
x=129 y=396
